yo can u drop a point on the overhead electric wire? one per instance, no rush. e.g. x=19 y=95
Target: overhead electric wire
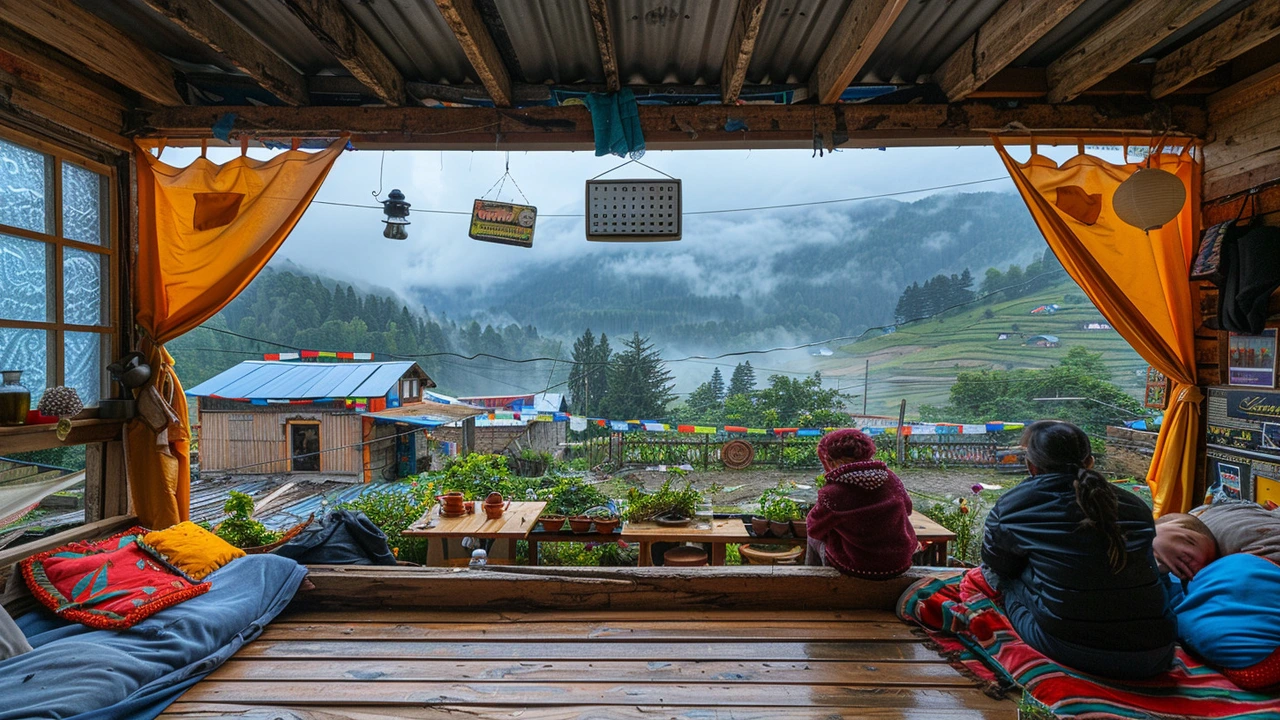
x=721 y=211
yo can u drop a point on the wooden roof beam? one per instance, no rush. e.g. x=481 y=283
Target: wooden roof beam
x=1257 y=88
x=92 y=41
x=863 y=26
x=202 y=20
x=742 y=43
x=1138 y=28
x=334 y=27
x=469 y=28
x=599 y=11
x=1237 y=35
x=1013 y=28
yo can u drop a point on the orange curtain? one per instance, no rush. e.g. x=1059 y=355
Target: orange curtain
x=1138 y=281
x=204 y=232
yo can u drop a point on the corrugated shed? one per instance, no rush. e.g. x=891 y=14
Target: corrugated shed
x=792 y=38
x=923 y=37
x=258 y=443
x=270 y=380
x=676 y=41
x=555 y=42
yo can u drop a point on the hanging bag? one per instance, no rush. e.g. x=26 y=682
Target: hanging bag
x=154 y=402
x=1216 y=243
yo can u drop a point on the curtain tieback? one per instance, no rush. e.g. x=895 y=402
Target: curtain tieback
x=1187 y=394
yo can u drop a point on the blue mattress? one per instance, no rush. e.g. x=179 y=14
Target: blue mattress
x=75 y=671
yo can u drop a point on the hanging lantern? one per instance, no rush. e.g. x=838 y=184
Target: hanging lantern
x=397 y=212
x=1149 y=199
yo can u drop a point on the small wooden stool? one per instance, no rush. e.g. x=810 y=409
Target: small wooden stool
x=684 y=556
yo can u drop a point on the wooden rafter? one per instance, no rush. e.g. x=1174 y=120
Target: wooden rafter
x=665 y=127
x=1008 y=33
x=861 y=29
x=1238 y=34
x=334 y=27
x=1256 y=88
x=599 y=11
x=1136 y=29
x=742 y=43
x=469 y=28
x=202 y=20
x=92 y=41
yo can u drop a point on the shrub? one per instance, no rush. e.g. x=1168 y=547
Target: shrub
x=475 y=475
x=572 y=495
x=240 y=529
x=964 y=517
x=642 y=506
x=777 y=506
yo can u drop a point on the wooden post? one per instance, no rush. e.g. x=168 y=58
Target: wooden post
x=95 y=482
x=468 y=437
x=366 y=424
x=866 y=383
x=902 y=440
x=704 y=452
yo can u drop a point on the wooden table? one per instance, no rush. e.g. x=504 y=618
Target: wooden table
x=932 y=536
x=722 y=532
x=515 y=524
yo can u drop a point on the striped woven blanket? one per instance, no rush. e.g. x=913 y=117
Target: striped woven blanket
x=972 y=630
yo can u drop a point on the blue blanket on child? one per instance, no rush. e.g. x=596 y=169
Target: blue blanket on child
x=79 y=673
x=1229 y=614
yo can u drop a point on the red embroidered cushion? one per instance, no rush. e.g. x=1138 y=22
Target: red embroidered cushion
x=109 y=584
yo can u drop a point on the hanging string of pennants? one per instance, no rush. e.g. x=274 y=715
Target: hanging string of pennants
x=315 y=354
x=579 y=424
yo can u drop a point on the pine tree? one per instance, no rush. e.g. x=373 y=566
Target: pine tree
x=584 y=354
x=717 y=384
x=743 y=380
x=639 y=384
x=599 y=377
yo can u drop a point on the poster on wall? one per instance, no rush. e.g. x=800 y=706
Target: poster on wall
x=1157 y=393
x=1251 y=359
x=1229 y=480
x=1271 y=436
x=503 y=223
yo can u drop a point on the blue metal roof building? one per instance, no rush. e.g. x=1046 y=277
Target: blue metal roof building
x=275 y=380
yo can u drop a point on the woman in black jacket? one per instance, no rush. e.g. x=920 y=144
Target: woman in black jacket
x=1071 y=557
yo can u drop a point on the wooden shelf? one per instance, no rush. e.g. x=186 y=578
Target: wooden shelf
x=25 y=438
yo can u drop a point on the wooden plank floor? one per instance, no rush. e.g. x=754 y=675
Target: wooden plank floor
x=566 y=665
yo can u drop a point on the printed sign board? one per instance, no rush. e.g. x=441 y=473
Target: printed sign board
x=1252 y=359
x=633 y=210
x=504 y=223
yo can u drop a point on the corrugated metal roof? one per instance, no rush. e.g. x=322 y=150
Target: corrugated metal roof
x=923 y=37
x=676 y=41
x=415 y=37
x=555 y=42
x=792 y=38
x=268 y=380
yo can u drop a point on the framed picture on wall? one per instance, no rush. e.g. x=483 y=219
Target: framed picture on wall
x=1229 y=480
x=1157 y=394
x=1251 y=359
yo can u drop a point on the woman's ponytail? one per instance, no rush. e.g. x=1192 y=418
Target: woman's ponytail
x=1053 y=446
x=1097 y=499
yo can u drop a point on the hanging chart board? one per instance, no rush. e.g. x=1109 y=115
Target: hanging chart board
x=633 y=210
x=504 y=223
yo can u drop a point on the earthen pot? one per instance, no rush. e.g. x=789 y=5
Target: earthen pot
x=760 y=526
x=552 y=523
x=494 y=507
x=606 y=525
x=780 y=529
x=800 y=528
x=451 y=503
x=684 y=556
x=580 y=524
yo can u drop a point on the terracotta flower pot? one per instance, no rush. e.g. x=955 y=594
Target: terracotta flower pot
x=606 y=525
x=800 y=528
x=493 y=512
x=760 y=526
x=780 y=529
x=552 y=522
x=752 y=556
x=580 y=524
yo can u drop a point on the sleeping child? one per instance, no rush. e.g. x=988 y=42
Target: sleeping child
x=861 y=524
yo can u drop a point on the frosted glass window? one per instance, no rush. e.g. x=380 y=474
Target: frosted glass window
x=26 y=350
x=83 y=366
x=83 y=273
x=24 y=279
x=25 y=185
x=83 y=194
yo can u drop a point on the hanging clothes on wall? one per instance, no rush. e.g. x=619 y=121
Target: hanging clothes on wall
x=1139 y=281
x=204 y=232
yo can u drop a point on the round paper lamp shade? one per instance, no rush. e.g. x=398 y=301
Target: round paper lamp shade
x=1149 y=198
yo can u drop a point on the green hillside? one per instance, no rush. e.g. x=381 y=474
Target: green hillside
x=921 y=359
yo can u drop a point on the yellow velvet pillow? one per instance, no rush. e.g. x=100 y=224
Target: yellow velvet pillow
x=192 y=549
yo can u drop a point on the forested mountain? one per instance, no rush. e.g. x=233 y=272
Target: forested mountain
x=837 y=271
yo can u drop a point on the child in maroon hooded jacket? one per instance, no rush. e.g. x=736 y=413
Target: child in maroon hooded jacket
x=861 y=524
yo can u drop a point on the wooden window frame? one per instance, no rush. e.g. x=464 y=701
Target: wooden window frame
x=55 y=352
x=288 y=444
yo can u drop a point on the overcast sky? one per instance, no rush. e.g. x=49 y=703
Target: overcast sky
x=347 y=243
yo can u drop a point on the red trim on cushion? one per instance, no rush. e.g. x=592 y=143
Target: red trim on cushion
x=1263 y=675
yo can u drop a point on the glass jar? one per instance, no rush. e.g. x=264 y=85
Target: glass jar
x=15 y=400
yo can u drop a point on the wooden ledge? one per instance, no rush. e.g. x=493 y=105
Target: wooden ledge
x=577 y=588
x=25 y=438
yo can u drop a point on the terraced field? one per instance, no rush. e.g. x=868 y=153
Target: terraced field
x=919 y=362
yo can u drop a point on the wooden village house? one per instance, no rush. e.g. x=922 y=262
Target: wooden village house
x=121 y=252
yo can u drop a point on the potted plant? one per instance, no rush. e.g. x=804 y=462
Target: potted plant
x=666 y=503
x=531 y=463
x=551 y=522
x=580 y=524
x=757 y=554
x=605 y=521
x=800 y=526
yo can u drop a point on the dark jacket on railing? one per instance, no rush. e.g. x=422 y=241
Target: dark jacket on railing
x=1034 y=542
